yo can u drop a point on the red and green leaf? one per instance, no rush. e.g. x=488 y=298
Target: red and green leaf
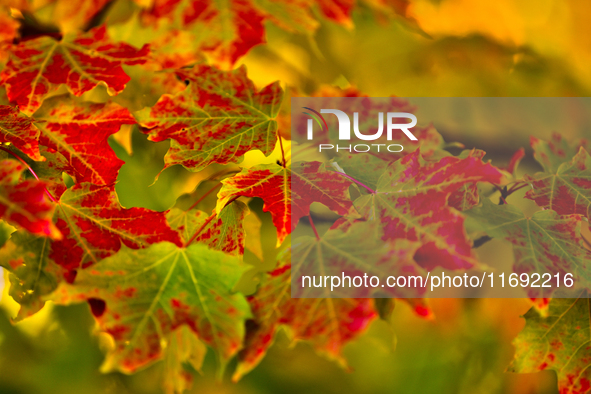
x=151 y=292
x=411 y=201
x=95 y=226
x=38 y=66
x=217 y=119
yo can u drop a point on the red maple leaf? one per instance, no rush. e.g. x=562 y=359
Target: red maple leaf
x=77 y=134
x=38 y=66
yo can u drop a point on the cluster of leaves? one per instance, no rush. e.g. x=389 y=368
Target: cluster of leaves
x=161 y=284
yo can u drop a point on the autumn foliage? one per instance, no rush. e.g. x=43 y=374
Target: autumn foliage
x=165 y=282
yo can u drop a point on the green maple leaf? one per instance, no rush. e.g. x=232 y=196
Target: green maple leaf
x=150 y=292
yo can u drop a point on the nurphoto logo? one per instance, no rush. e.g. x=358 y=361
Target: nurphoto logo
x=345 y=130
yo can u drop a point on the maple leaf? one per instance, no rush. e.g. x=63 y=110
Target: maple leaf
x=37 y=67
x=94 y=226
x=567 y=190
x=411 y=199
x=25 y=203
x=222 y=232
x=267 y=181
x=558 y=342
x=150 y=292
x=77 y=133
x=18 y=129
x=328 y=323
x=217 y=119
x=545 y=243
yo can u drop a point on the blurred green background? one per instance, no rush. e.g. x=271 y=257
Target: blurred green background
x=443 y=48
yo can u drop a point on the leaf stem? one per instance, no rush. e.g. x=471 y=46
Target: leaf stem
x=481 y=241
x=313 y=226
x=282 y=151
x=513 y=189
x=30 y=170
x=358 y=182
x=503 y=194
x=203 y=197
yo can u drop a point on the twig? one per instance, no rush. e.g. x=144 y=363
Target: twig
x=30 y=170
x=313 y=226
